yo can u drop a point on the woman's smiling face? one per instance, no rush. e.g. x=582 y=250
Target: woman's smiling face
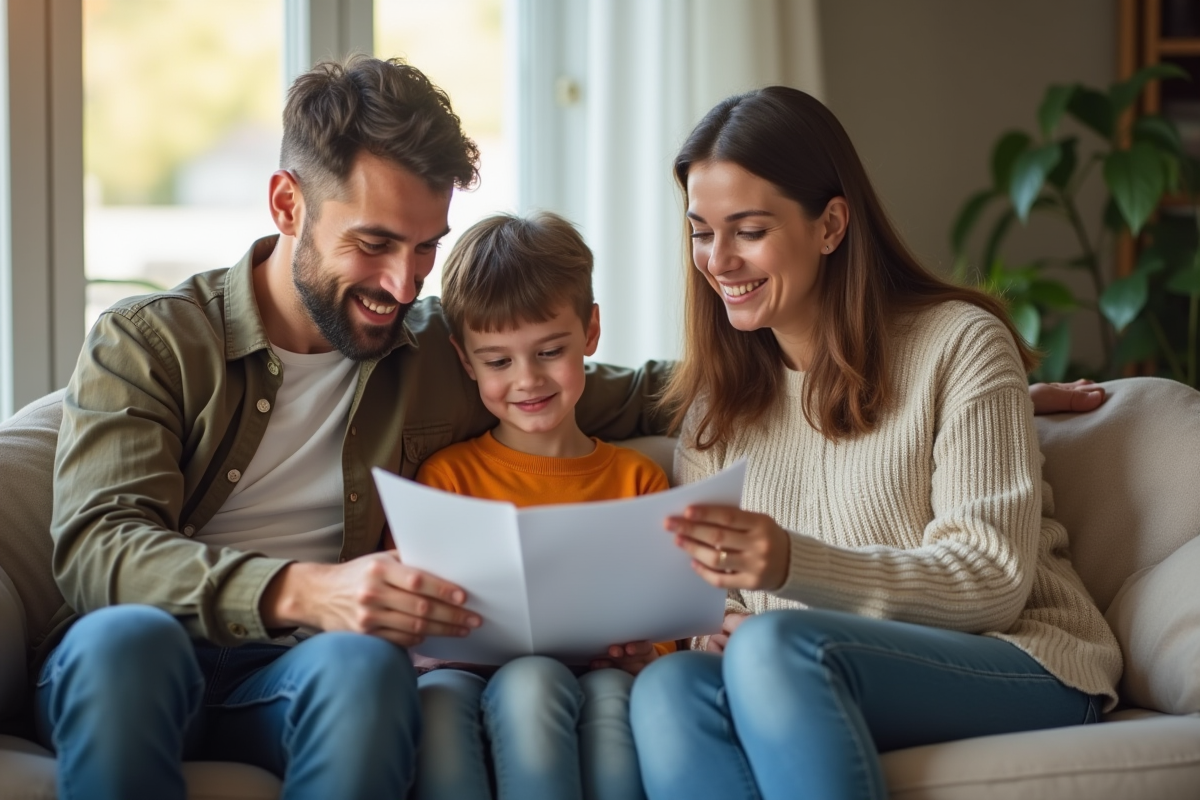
x=759 y=250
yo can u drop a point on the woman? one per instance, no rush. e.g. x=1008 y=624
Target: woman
x=893 y=527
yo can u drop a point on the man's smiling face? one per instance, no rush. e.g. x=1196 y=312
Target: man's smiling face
x=362 y=256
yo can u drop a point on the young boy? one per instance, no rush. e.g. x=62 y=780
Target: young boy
x=518 y=295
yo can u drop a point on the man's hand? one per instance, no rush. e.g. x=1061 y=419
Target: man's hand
x=732 y=548
x=632 y=657
x=719 y=641
x=374 y=594
x=1060 y=398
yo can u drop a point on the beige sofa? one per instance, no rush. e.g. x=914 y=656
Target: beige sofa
x=1127 y=485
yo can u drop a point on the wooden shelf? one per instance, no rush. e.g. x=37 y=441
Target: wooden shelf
x=1177 y=200
x=1179 y=47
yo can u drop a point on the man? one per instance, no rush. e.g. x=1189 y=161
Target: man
x=212 y=481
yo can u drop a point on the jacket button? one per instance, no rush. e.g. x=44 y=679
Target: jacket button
x=189 y=530
x=234 y=475
x=354 y=497
x=272 y=368
x=263 y=405
x=237 y=629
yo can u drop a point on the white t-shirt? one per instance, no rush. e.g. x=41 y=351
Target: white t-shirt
x=288 y=502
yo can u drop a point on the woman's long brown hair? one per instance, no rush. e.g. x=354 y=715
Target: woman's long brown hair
x=790 y=139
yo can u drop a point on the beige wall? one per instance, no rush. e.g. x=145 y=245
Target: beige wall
x=925 y=87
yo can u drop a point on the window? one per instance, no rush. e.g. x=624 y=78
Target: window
x=182 y=102
x=460 y=45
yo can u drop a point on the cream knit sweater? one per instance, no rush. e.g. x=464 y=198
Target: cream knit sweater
x=939 y=516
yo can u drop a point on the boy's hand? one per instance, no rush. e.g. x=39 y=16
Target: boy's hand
x=632 y=657
x=1065 y=398
x=718 y=641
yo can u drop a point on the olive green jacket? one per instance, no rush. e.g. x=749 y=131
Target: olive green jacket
x=169 y=402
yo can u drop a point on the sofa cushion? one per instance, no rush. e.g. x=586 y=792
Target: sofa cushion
x=27 y=442
x=1158 y=758
x=27 y=772
x=1156 y=617
x=1125 y=479
x=12 y=649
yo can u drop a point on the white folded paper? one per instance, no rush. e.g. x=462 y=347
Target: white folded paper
x=566 y=580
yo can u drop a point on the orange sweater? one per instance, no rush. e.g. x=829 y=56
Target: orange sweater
x=486 y=469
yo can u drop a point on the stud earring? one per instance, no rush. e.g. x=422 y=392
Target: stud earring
x=825 y=249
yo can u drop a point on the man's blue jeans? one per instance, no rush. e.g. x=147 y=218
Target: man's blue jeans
x=803 y=701
x=552 y=736
x=127 y=697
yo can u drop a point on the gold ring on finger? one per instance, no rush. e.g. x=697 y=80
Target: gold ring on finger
x=722 y=555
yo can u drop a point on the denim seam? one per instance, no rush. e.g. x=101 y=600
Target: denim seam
x=833 y=647
x=747 y=771
x=285 y=692
x=215 y=679
x=863 y=756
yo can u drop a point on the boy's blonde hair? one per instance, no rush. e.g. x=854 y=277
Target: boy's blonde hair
x=507 y=270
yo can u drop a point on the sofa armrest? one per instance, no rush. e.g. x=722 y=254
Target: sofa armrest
x=13 y=686
x=659 y=448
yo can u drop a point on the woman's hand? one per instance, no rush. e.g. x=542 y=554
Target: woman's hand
x=1059 y=398
x=632 y=657
x=718 y=641
x=731 y=548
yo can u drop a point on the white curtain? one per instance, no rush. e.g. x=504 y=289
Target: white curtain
x=651 y=70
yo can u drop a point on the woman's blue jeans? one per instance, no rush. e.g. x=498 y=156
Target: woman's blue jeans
x=127 y=697
x=552 y=736
x=803 y=702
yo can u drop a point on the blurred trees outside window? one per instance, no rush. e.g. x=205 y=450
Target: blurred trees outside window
x=181 y=130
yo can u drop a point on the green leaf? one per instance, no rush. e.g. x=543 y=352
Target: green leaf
x=1028 y=321
x=1137 y=343
x=1012 y=283
x=1150 y=262
x=1056 y=344
x=1094 y=109
x=999 y=230
x=967 y=218
x=1159 y=132
x=1124 y=93
x=1124 y=299
x=1011 y=145
x=1185 y=282
x=1171 y=171
x=1135 y=178
x=1062 y=172
x=1113 y=220
x=1053 y=295
x=1054 y=104
x=1029 y=175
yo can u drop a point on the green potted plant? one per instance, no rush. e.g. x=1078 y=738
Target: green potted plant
x=1149 y=316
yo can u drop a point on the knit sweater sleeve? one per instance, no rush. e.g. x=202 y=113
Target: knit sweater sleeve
x=976 y=561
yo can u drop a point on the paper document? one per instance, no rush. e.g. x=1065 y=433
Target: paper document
x=565 y=581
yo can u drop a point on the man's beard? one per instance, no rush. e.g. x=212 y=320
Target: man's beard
x=331 y=313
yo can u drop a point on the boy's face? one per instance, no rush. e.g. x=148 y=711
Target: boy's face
x=531 y=377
